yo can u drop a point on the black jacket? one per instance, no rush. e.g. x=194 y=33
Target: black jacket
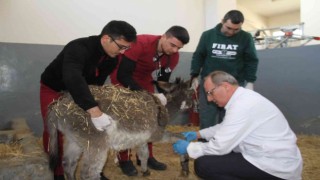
x=82 y=62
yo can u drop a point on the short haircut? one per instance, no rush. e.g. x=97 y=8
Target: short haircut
x=235 y=17
x=218 y=77
x=120 y=30
x=178 y=32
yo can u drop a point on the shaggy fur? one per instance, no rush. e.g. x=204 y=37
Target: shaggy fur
x=137 y=118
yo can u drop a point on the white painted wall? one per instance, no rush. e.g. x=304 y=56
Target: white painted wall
x=59 y=21
x=292 y=18
x=310 y=12
x=252 y=21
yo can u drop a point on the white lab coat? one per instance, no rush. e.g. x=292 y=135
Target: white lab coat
x=255 y=127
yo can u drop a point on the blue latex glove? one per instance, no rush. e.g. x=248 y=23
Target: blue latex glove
x=180 y=147
x=190 y=136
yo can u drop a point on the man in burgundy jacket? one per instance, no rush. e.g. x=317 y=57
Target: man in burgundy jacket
x=151 y=57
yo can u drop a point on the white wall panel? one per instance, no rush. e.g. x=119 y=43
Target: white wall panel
x=59 y=21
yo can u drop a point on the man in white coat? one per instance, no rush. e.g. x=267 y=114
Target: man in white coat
x=254 y=140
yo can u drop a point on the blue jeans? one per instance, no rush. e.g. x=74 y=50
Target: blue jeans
x=208 y=111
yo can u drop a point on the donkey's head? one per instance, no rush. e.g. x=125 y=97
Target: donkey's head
x=177 y=93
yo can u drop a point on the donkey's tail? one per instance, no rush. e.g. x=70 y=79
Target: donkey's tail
x=52 y=121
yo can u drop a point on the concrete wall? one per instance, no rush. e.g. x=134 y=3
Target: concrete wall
x=288 y=76
x=20 y=69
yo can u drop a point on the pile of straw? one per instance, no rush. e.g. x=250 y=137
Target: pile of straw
x=10 y=150
x=309 y=146
x=128 y=107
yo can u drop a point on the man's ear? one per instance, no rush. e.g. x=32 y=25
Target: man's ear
x=105 y=38
x=225 y=85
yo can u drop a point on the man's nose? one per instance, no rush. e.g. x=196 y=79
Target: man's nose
x=209 y=98
x=122 y=51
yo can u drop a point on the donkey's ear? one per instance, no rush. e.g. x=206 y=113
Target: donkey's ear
x=188 y=83
x=165 y=86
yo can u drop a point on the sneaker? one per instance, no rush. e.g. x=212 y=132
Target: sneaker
x=58 y=177
x=154 y=164
x=128 y=168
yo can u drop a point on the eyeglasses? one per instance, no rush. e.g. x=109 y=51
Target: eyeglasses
x=211 y=92
x=121 y=47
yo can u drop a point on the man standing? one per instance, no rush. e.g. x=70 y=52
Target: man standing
x=150 y=53
x=254 y=141
x=82 y=62
x=227 y=48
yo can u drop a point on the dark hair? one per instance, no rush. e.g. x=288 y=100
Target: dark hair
x=120 y=30
x=179 y=32
x=235 y=17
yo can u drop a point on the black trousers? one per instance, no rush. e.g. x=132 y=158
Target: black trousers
x=229 y=167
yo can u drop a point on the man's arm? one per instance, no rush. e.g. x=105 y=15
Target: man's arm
x=165 y=76
x=198 y=57
x=95 y=112
x=251 y=61
x=75 y=82
x=125 y=73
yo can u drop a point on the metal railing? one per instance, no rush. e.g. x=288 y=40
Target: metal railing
x=278 y=37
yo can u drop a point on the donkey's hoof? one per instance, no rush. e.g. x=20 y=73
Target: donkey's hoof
x=146 y=173
x=184 y=173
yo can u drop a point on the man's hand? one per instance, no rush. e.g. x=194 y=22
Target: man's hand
x=249 y=85
x=161 y=97
x=194 y=83
x=102 y=122
x=190 y=136
x=184 y=106
x=180 y=147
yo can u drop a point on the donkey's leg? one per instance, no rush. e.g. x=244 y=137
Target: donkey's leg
x=71 y=155
x=170 y=137
x=94 y=159
x=184 y=161
x=143 y=153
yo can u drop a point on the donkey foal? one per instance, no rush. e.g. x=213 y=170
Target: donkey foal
x=137 y=118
